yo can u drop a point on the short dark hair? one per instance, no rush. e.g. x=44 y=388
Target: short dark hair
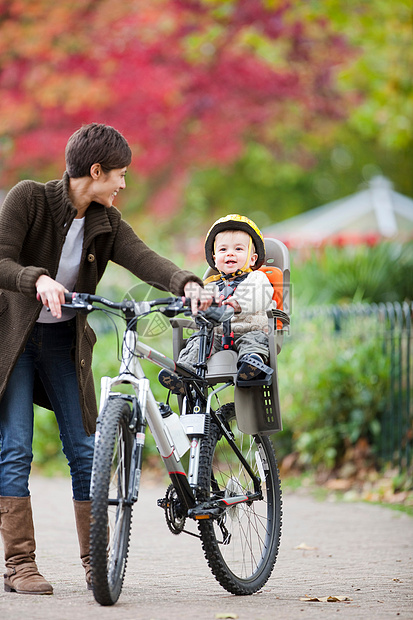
x=96 y=144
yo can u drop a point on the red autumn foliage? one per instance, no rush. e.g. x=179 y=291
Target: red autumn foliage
x=187 y=82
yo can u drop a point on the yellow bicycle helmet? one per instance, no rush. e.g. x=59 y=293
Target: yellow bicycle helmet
x=235 y=222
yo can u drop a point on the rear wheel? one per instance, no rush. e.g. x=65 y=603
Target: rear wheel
x=241 y=546
x=111 y=513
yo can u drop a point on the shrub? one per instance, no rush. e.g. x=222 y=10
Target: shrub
x=333 y=390
x=371 y=274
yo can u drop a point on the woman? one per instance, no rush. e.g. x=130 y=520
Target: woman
x=56 y=237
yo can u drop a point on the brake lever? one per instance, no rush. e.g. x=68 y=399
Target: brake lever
x=79 y=307
x=75 y=302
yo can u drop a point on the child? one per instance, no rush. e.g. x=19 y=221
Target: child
x=234 y=247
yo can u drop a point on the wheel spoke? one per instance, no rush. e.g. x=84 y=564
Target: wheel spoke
x=243 y=565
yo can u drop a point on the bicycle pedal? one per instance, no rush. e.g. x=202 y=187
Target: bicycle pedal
x=163 y=503
x=205 y=512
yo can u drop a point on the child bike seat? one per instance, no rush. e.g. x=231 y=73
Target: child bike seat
x=257 y=407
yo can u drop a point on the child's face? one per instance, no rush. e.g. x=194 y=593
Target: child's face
x=231 y=251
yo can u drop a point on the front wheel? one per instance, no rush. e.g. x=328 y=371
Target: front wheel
x=241 y=546
x=111 y=510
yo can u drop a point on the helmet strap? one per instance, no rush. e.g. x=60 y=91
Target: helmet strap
x=246 y=266
x=226 y=276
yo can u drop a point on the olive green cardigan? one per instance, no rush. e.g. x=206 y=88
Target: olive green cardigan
x=34 y=220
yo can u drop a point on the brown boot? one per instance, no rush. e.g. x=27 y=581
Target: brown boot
x=82 y=516
x=17 y=531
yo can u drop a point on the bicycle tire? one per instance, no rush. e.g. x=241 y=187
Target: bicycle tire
x=111 y=517
x=244 y=564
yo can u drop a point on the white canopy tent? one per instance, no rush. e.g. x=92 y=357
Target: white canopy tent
x=374 y=213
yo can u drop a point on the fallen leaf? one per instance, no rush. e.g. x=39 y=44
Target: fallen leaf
x=325 y=599
x=225 y=615
x=304 y=547
x=338 y=484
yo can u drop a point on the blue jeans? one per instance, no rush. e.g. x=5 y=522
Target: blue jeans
x=48 y=351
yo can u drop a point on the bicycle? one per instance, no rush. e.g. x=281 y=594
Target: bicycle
x=231 y=488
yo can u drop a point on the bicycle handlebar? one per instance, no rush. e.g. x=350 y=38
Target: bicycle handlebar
x=173 y=306
x=216 y=314
x=82 y=300
x=85 y=301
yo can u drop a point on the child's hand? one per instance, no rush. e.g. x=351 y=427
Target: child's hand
x=233 y=303
x=200 y=298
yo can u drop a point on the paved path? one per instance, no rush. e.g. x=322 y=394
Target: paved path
x=360 y=551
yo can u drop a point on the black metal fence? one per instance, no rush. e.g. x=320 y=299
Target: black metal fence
x=393 y=323
x=397 y=425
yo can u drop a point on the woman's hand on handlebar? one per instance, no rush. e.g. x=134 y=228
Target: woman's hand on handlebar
x=200 y=298
x=51 y=294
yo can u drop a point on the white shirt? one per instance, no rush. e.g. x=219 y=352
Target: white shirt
x=68 y=269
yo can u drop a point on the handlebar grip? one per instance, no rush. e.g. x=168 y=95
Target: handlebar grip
x=81 y=298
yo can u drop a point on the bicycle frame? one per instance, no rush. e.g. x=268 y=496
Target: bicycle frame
x=147 y=411
x=131 y=372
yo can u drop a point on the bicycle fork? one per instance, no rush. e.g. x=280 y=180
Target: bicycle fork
x=142 y=402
